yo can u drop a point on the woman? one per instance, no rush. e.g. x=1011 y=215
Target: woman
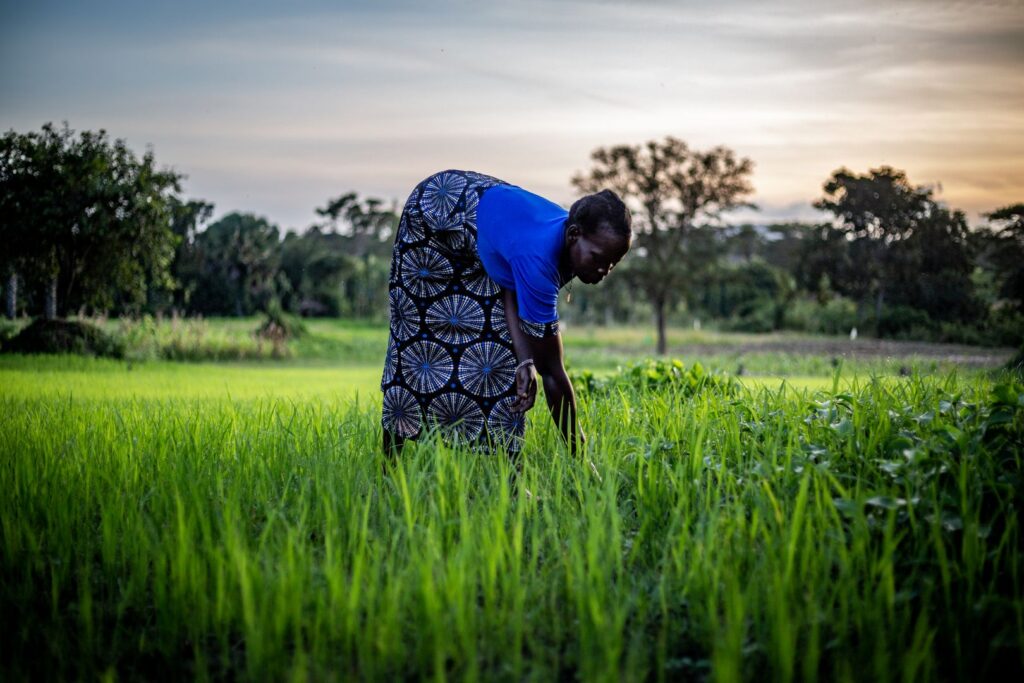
x=475 y=275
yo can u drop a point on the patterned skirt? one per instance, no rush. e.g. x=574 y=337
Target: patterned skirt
x=450 y=365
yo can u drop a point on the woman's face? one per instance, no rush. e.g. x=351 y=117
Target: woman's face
x=593 y=256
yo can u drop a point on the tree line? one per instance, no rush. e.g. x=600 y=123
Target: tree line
x=89 y=226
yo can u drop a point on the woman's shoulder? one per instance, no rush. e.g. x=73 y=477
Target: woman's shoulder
x=515 y=200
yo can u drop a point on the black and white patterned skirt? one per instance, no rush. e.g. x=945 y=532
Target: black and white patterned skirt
x=450 y=364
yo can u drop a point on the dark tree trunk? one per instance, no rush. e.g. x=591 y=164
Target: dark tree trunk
x=659 y=313
x=12 y=295
x=879 y=300
x=51 y=299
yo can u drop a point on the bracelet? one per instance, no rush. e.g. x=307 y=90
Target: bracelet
x=528 y=361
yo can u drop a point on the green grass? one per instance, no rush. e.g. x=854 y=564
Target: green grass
x=94 y=378
x=599 y=349
x=151 y=527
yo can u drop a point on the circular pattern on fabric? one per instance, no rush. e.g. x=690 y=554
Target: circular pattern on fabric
x=425 y=272
x=455 y=319
x=390 y=363
x=471 y=202
x=460 y=243
x=487 y=368
x=427 y=366
x=410 y=226
x=497 y=320
x=444 y=223
x=505 y=426
x=481 y=181
x=401 y=415
x=456 y=414
x=449 y=360
x=440 y=195
x=405 y=316
x=482 y=285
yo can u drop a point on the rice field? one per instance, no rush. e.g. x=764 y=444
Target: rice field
x=237 y=521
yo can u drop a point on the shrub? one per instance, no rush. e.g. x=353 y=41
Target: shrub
x=8 y=329
x=1016 y=363
x=65 y=336
x=904 y=322
x=759 y=318
x=836 y=316
x=1005 y=327
x=279 y=325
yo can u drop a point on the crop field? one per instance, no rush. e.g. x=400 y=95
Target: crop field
x=808 y=520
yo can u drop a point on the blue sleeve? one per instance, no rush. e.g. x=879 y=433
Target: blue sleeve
x=536 y=295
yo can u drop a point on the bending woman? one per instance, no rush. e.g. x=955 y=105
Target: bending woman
x=475 y=275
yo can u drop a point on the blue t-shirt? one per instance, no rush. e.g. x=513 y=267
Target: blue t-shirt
x=519 y=240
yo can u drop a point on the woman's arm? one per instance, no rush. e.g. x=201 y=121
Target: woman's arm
x=546 y=353
x=526 y=378
x=558 y=388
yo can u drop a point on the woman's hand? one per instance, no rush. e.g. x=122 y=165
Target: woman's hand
x=526 y=388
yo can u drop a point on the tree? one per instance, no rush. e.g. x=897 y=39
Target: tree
x=314 y=265
x=1006 y=253
x=669 y=188
x=362 y=227
x=91 y=220
x=187 y=221
x=365 y=223
x=238 y=258
x=14 y=170
x=902 y=246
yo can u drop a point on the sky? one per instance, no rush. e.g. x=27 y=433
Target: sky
x=274 y=107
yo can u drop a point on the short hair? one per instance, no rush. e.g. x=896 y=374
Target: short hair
x=602 y=209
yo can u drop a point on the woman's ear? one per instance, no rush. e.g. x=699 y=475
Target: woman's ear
x=573 y=233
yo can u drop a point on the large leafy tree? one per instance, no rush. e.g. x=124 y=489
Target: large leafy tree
x=90 y=220
x=901 y=246
x=366 y=224
x=361 y=228
x=238 y=262
x=15 y=170
x=1005 y=251
x=188 y=219
x=670 y=189
x=314 y=264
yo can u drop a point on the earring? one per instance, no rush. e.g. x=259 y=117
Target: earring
x=568 y=294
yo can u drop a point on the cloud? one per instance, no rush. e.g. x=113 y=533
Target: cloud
x=300 y=99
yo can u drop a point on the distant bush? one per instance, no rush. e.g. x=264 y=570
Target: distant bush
x=904 y=322
x=758 y=319
x=278 y=324
x=1016 y=363
x=1005 y=327
x=8 y=329
x=836 y=316
x=65 y=336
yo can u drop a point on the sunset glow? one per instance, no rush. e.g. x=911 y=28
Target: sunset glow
x=274 y=107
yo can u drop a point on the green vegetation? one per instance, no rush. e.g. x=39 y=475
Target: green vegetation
x=892 y=261
x=320 y=341
x=64 y=336
x=765 y=506
x=237 y=521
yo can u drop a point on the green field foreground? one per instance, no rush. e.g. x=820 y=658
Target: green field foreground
x=235 y=521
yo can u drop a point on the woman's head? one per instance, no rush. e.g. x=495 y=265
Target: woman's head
x=598 y=235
